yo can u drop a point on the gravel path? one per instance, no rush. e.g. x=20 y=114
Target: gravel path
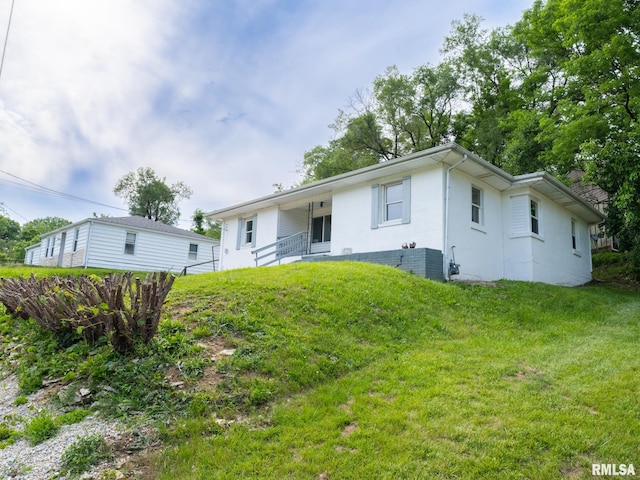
x=21 y=461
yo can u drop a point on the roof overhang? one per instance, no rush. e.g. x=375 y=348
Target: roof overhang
x=552 y=188
x=447 y=156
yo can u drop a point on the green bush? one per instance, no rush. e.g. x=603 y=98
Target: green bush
x=40 y=428
x=85 y=453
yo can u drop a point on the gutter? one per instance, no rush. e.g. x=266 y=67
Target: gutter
x=445 y=239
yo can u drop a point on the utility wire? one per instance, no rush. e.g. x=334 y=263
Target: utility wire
x=50 y=191
x=5 y=206
x=6 y=38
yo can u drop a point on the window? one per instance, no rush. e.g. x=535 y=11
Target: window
x=247 y=228
x=535 y=217
x=391 y=203
x=321 y=229
x=193 y=251
x=476 y=205
x=248 y=231
x=53 y=246
x=130 y=243
x=76 y=234
x=574 y=239
x=46 y=250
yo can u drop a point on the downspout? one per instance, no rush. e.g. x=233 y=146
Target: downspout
x=86 y=250
x=445 y=240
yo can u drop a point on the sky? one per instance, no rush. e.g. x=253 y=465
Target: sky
x=225 y=96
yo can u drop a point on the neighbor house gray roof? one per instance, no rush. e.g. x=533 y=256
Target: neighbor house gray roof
x=140 y=223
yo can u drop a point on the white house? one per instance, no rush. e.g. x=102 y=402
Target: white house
x=466 y=218
x=125 y=243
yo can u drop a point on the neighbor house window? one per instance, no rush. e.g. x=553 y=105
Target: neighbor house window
x=76 y=234
x=391 y=203
x=321 y=229
x=46 y=250
x=53 y=246
x=476 y=205
x=574 y=238
x=535 y=217
x=193 y=251
x=130 y=244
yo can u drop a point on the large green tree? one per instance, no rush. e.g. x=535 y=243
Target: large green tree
x=149 y=196
x=402 y=114
x=33 y=229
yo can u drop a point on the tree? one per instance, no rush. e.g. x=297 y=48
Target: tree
x=149 y=196
x=9 y=237
x=33 y=229
x=9 y=229
x=205 y=226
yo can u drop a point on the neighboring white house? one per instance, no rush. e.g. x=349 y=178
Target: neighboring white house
x=125 y=243
x=448 y=201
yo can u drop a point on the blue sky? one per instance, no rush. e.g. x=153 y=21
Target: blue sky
x=225 y=96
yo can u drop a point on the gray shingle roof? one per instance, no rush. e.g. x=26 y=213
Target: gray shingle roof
x=146 y=224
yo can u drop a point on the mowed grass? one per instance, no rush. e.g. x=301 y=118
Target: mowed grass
x=346 y=370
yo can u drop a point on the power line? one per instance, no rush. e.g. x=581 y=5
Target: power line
x=6 y=38
x=50 y=191
x=5 y=206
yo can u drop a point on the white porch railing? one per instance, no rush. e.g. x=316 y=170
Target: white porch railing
x=290 y=246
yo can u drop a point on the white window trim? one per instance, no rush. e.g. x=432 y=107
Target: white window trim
x=540 y=233
x=479 y=225
x=378 y=203
x=134 y=243
x=242 y=232
x=525 y=211
x=194 y=253
x=575 y=238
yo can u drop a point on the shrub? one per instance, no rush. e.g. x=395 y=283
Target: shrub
x=124 y=309
x=40 y=428
x=84 y=453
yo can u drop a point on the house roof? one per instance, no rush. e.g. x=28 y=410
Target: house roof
x=447 y=155
x=140 y=223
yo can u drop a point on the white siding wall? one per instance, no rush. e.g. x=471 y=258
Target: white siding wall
x=548 y=257
x=351 y=217
x=265 y=231
x=478 y=246
x=32 y=255
x=153 y=251
x=292 y=221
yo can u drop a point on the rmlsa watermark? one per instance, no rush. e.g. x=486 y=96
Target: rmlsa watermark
x=617 y=469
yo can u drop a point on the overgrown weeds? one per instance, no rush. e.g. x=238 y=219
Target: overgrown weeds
x=85 y=453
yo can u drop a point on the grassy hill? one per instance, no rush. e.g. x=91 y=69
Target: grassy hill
x=350 y=370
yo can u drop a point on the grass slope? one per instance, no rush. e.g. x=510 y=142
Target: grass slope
x=347 y=370
x=351 y=370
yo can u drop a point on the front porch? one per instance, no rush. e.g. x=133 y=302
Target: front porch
x=302 y=230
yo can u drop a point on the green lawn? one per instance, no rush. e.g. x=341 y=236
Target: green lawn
x=350 y=370
x=379 y=374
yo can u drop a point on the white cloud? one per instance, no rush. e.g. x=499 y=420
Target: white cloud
x=225 y=96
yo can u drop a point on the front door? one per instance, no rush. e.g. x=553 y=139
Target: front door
x=321 y=234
